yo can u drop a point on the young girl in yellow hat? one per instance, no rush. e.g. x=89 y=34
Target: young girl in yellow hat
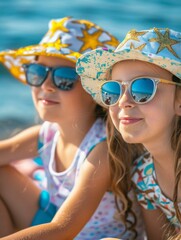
x=77 y=202
x=140 y=84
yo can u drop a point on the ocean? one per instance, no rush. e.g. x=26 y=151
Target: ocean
x=24 y=22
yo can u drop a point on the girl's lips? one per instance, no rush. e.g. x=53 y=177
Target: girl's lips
x=48 y=102
x=129 y=120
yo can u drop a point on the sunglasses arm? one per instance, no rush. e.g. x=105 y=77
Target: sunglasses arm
x=169 y=82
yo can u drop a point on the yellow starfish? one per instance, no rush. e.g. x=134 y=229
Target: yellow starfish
x=58 y=25
x=93 y=43
x=132 y=35
x=137 y=48
x=58 y=45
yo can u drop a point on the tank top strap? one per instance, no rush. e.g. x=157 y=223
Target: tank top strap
x=95 y=135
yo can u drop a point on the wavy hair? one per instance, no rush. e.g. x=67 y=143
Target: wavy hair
x=176 y=146
x=121 y=156
x=176 y=237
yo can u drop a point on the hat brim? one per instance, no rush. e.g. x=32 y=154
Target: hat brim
x=14 y=59
x=93 y=66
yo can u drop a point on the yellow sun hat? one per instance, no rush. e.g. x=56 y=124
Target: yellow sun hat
x=160 y=46
x=66 y=38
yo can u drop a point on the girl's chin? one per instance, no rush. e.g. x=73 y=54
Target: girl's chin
x=47 y=117
x=129 y=138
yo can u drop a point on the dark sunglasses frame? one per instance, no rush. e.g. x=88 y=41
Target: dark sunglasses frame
x=67 y=82
x=129 y=84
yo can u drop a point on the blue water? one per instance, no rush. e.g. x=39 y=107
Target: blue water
x=24 y=22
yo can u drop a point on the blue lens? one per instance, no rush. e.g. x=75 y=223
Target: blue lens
x=64 y=78
x=110 y=93
x=142 y=89
x=35 y=74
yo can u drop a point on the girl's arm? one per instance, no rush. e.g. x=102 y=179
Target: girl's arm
x=94 y=180
x=23 y=145
x=156 y=224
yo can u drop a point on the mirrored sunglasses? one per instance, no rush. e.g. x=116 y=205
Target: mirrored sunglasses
x=63 y=78
x=142 y=90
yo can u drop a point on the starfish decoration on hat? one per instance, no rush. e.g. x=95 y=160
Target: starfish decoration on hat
x=58 y=25
x=132 y=35
x=58 y=44
x=94 y=43
x=112 y=42
x=165 y=41
x=137 y=48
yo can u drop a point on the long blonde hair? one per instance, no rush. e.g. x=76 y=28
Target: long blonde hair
x=176 y=237
x=121 y=156
x=176 y=146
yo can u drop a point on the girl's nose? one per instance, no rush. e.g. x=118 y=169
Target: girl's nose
x=48 y=84
x=126 y=100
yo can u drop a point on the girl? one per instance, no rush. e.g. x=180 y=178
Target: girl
x=71 y=143
x=140 y=84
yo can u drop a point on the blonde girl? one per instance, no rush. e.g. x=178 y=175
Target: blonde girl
x=140 y=83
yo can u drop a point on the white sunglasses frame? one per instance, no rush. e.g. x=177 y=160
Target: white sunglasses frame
x=129 y=83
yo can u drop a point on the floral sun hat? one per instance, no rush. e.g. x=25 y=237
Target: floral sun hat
x=66 y=38
x=158 y=46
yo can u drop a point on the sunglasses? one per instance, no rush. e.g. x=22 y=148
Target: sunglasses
x=63 y=78
x=142 y=90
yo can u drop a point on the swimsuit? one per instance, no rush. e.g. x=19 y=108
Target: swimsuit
x=149 y=193
x=59 y=185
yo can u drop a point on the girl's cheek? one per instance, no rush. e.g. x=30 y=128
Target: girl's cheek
x=113 y=111
x=34 y=94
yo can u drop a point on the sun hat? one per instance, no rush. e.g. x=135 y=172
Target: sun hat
x=158 y=46
x=66 y=38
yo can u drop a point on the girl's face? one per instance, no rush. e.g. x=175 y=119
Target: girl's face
x=150 y=122
x=55 y=105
